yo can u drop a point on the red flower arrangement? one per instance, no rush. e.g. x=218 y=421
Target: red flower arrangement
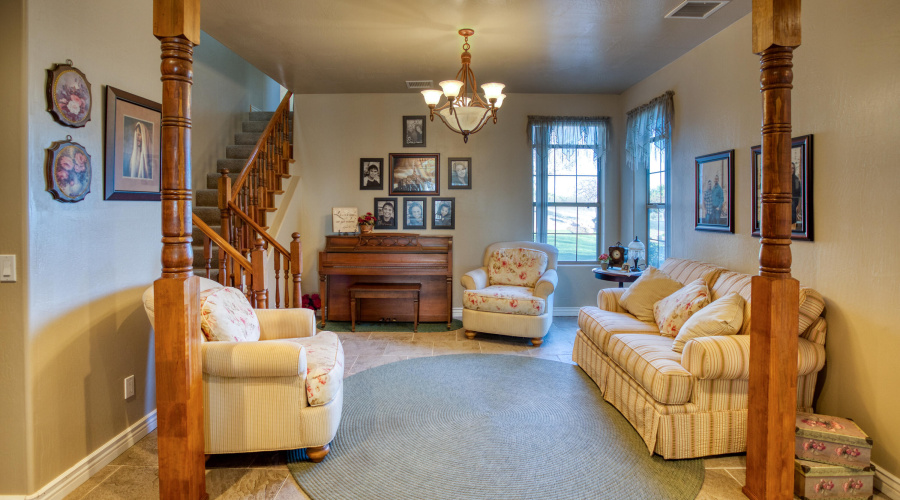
x=313 y=302
x=366 y=220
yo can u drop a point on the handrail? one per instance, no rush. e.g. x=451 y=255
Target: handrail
x=245 y=171
x=259 y=229
x=222 y=243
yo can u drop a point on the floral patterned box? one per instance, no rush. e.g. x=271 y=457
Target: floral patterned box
x=832 y=440
x=813 y=480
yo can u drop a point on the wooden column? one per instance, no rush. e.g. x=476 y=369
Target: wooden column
x=179 y=391
x=774 y=293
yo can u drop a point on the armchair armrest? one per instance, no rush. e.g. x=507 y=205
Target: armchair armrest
x=728 y=357
x=546 y=284
x=475 y=280
x=608 y=299
x=273 y=358
x=277 y=324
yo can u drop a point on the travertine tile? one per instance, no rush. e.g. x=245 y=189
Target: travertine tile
x=243 y=484
x=142 y=454
x=438 y=336
x=364 y=347
x=452 y=347
x=739 y=475
x=737 y=461
x=364 y=362
x=86 y=487
x=128 y=482
x=348 y=362
x=291 y=491
x=344 y=336
x=719 y=485
x=411 y=348
x=401 y=336
x=491 y=347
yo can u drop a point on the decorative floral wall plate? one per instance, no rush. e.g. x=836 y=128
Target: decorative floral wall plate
x=68 y=171
x=68 y=95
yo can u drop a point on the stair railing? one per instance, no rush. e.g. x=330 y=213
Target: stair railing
x=235 y=270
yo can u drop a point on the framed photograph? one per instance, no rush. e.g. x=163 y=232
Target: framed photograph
x=414 y=131
x=714 y=192
x=801 y=188
x=443 y=213
x=133 y=147
x=414 y=210
x=459 y=172
x=414 y=173
x=385 y=213
x=68 y=171
x=68 y=95
x=371 y=173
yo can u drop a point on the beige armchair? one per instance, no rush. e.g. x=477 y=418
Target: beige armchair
x=283 y=391
x=512 y=293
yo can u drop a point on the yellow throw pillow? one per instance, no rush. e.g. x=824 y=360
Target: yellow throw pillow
x=671 y=312
x=722 y=317
x=646 y=291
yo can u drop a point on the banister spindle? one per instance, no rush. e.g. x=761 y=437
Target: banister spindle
x=296 y=266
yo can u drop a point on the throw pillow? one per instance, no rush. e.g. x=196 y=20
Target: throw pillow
x=646 y=291
x=516 y=266
x=722 y=317
x=671 y=312
x=226 y=316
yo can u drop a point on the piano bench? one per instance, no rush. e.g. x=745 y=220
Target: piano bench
x=384 y=291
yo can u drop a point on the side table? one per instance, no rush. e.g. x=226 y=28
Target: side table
x=616 y=276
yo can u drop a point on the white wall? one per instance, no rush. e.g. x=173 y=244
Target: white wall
x=846 y=94
x=334 y=131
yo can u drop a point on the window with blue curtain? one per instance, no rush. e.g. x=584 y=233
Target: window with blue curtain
x=568 y=156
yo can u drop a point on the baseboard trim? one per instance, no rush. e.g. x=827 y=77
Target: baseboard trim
x=71 y=479
x=12 y=497
x=456 y=312
x=887 y=483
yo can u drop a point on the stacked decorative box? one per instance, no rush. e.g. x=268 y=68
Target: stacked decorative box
x=833 y=459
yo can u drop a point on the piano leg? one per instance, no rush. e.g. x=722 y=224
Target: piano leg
x=323 y=292
x=449 y=301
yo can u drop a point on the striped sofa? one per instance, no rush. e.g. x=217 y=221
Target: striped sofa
x=691 y=404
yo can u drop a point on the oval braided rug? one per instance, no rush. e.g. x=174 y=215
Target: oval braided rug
x=481 y=427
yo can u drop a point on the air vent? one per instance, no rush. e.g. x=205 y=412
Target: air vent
x=419 y=84
x=695 y=9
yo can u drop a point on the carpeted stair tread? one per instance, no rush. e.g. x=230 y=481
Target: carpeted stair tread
x=239 y=152
x=209 y=215
x=212 y=180
x=233 y=166
x=206 y=198
x=251 y=126
x=198 y=235
x=264 y=116
x=247 y=138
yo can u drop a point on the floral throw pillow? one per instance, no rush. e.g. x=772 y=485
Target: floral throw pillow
x=516 y=266
x=673 y=311
x=226 y=316
x=723 y=317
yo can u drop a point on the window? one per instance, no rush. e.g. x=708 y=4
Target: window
x=567 y=161
x=656 y=204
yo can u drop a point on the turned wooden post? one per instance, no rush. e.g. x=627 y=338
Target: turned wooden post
x=296 y=268
x=225 y=230
x=258 y=277
x=179 y=391
x=774 y=293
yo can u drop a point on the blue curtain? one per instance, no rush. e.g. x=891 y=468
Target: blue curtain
x=645 y=124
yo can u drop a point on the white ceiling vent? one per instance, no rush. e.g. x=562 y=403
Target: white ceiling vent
x=419 y=84
x=696 y=9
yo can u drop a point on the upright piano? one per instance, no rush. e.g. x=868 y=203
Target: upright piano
x=387 y=258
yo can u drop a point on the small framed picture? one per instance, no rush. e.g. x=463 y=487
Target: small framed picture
x=69 y=95
x=801 y=188
x=371 y=173
x=414 y=131
x=414 y=213
x=68 y=171
x=443 y=213
x=133 y=147
x=714 y=192
x=460 y=173
x=385 y=213
x=414 y=173
x=626 y=268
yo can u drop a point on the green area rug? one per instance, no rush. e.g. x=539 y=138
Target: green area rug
x=366 y=326
x=487 y=427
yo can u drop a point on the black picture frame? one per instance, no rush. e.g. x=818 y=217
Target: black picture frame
x=410 y=222
x=380 y=204
x=414 y=131
x=365 y=164
x=454 y=179
x=801 y=188
x=447 y=221
x=412 y=173
x=126 y=114
x=714 y=192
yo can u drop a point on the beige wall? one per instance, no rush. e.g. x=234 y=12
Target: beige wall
x=846 y=94
x=334 y=131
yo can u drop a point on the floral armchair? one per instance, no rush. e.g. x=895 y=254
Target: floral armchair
x=512 y=293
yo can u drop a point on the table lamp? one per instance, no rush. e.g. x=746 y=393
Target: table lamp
x=636 y=252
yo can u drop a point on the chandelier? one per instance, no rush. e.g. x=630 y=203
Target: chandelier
x=465 y=112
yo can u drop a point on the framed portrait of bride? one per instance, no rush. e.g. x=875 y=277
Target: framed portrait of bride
x=132 y=168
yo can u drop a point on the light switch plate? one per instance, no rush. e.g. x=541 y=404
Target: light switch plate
x=8 y=268
x=129 y=386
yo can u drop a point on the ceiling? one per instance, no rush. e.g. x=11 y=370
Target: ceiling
x=533 y=46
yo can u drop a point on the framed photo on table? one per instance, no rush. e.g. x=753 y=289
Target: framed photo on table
x=414 y=131
x=801 y=188
x=459 y=173
x=132 y=162
x=714 y=192
x=414 y=174
x=385 y=213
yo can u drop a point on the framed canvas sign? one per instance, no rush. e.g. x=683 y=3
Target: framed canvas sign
x=414 y=131
x=801 y=188
x=714 y=192
x=68 y=171
x=414 y=173
x=69 y=95
x=459 y=173
x=385 y=213
x=133 y=147
x=414 y=213
x=443 y=213
x=371 y=173
x=344 y=219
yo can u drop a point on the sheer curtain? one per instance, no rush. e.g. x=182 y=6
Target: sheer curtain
x=646 y=124
x=557 y=132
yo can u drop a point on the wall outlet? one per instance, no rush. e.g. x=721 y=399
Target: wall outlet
x=8 y=268
x=129 y=386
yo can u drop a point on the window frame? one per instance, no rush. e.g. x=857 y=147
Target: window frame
x=665 y=206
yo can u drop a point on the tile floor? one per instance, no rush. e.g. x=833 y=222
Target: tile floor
x=134 y=475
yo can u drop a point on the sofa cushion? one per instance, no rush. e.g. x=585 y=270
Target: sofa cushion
x=646 y=291
x=599 y=325
x=723 y=317
x=649 y=360
x=505 y=299
x=226 y=315
x=671 y=312
x=516 y=266
x=686 y=270
x=324 y=366
x=730 y=281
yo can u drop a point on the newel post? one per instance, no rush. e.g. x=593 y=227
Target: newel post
x=775 y=294
x=258 y=284
x=296 y=268
x=179 y=391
